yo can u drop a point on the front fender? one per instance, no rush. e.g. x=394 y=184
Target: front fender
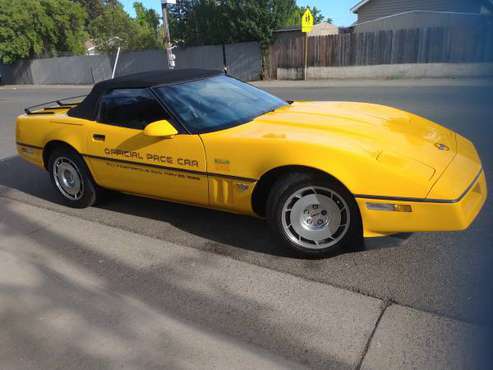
x=361 y=170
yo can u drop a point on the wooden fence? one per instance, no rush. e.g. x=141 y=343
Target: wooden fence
x=425 y=45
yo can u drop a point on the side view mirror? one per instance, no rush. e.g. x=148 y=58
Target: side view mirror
x=161 y=128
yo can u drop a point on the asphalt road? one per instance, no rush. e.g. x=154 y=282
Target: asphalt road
x=444 y=273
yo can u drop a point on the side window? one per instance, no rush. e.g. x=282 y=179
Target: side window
x=131 y=108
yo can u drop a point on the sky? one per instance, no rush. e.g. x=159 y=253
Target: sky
x=338 y=10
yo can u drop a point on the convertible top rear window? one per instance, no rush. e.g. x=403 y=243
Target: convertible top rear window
x=216 y=103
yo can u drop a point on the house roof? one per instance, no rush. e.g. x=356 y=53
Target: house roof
x=294 y=28
x=89 y=44
x=323 y=29
x=355 y=8
x=361 y=3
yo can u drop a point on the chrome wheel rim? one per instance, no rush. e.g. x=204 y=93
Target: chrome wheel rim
x=315 y=217
x=68 y=178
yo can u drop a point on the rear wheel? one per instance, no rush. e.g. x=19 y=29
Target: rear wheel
x=313 y=215
x=71 y=178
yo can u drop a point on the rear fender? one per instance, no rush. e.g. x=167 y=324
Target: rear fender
x=73 y=136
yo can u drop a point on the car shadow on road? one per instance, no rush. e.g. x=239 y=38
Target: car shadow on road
x=192 y=226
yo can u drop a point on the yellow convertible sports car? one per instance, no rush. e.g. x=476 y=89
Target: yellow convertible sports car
x=323 y=174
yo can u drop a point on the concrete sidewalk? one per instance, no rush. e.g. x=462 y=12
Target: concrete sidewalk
x=78 y=294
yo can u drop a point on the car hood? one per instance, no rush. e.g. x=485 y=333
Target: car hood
x=389 y=134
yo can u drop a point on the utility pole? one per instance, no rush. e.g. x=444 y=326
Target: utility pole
x=305 y=57
x=167 y=37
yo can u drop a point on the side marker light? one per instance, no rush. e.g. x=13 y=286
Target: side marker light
x=389 y=207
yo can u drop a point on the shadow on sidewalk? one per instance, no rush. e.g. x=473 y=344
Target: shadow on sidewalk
x=77 y=306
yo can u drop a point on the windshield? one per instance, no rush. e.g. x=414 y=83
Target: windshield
x=216 y=103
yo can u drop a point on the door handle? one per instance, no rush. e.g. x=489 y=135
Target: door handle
x=99 y=137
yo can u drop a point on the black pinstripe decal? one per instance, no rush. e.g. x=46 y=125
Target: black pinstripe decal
x=30 y=146
x=171 y=168
x=245 y=179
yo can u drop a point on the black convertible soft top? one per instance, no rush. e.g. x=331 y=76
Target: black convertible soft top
x=87 y=108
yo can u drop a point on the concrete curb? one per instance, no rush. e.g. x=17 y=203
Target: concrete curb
x=393 y=71
x=425 y=82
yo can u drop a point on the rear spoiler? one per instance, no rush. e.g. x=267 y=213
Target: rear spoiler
x=55 y=104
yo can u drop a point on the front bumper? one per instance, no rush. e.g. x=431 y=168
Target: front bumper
x=426 y=214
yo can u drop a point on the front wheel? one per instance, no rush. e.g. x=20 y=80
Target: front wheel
x=314 y=215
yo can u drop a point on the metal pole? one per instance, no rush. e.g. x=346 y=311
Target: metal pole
x=305 y=66
x=116 y=63
x=167 y=36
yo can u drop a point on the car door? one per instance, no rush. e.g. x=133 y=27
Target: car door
x=122 y=158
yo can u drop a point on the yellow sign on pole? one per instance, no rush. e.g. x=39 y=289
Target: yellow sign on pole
x=307 y=21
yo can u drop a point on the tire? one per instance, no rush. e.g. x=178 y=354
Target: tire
x=314 y=215
x=71 y=178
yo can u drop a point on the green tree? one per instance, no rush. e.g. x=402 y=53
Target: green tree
x=94 y=8
x=146 y=17
x=115 y=28
x=318 y=17
x=21 y=29
x=258 y=19
x=148 y=30
x=40 y=27
x=201 y=22
x=197 y=22
x=67 y=27
x=112 y=29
